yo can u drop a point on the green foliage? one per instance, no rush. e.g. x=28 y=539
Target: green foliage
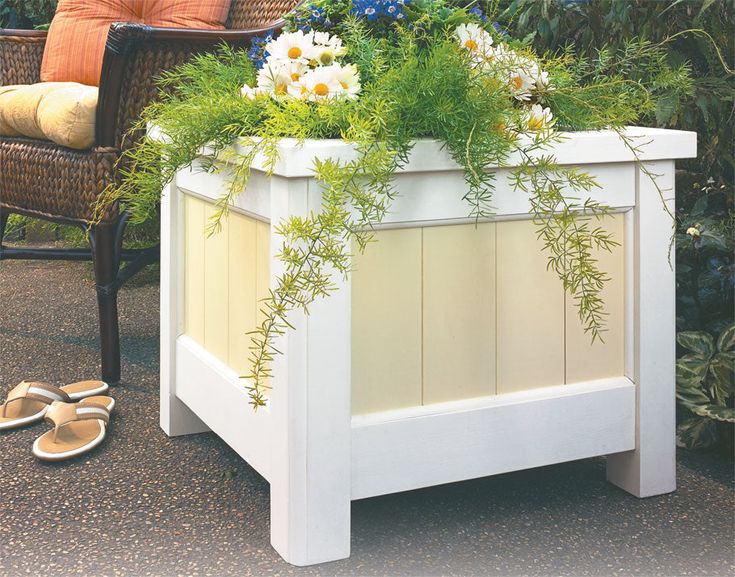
x=416 y=82
x=693 y=33
x=26 y=13
x=704 y=261
x=705 y=381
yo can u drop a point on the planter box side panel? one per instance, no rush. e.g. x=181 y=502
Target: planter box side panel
x=226 y=278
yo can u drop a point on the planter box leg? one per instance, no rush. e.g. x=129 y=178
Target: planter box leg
x=175 y=417
x=651 y=468
x=310 y=403
x=311 y=411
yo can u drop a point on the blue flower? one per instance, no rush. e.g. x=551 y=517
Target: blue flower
x=257 y=52
x=477 y=11
x=499 y=29
x=374 y=9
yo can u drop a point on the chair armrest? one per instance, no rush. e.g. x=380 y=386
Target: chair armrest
x=21 y=53
x=136 y=55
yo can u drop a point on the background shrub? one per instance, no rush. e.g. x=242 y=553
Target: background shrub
x=26 y=13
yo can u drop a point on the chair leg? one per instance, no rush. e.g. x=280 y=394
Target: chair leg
x=4 y=216
x=106 y=246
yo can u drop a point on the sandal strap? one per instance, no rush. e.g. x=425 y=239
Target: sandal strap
x=36 y=391
x=60 y=414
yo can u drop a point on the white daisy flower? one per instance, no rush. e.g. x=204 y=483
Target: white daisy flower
x=476 y=40
x=325 y=55
x=542 y=81
x=275 y=79
x=318 y=85
x=322 y=38
x=249 y=92
x=521 y=83
x=292 y=47
x=327 y=48
x=539 y=119
x=294 y=70
x=349 y=78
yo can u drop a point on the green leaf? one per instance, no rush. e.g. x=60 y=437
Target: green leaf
x=723 y=371
x=699 y=208
x=700 y=343
x=714 y=238
x=666 y=106
x=691 y=368
x=726 y=342
x=696 y=433
x=706 y=4
x=717 y=412
x=691 y=395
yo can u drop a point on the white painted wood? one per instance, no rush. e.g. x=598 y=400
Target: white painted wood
x=215 y=393
x=212 y=186
x=412 y=448
x=175 y=417
x=437 y=196
x=604 y=146
x=310 y=405
x=651 y=468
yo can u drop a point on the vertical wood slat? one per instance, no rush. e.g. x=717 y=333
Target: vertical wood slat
x=243 y=285
x=263 y=233
x=194 y=279
x=386 y=323
x=586 y=361
x=262 y=273
x=531 y=314
x=227 y=275
x=459 y=313
x=216 y=288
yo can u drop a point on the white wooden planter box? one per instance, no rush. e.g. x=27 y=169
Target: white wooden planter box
x=451 y=353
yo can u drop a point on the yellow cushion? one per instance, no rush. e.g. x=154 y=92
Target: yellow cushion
x=62 y=112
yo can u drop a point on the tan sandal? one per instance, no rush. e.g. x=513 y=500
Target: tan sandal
x=78 y=428
x=28 y=402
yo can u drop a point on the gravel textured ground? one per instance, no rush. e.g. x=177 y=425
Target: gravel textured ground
x=143 y=504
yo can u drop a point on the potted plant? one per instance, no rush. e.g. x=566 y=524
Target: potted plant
x=520 y=274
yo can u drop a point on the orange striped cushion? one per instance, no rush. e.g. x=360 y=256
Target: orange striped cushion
x=78 y=33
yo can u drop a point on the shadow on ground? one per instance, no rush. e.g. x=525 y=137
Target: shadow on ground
x=144 y=504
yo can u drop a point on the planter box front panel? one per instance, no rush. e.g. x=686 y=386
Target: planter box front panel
x=455 y=312
x=440 y=313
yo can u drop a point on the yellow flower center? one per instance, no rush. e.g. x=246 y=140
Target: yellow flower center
x=294 y=52
x=516 y=82
x=326 y=58
x=471 y=44
x=281 y=89
x=344 y=85
x=295 y=76
x=536 y=123
x=321 y=89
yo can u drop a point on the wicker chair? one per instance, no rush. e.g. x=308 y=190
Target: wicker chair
x=43 y=180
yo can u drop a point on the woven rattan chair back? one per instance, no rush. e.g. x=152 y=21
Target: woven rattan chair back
x=249 y=14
